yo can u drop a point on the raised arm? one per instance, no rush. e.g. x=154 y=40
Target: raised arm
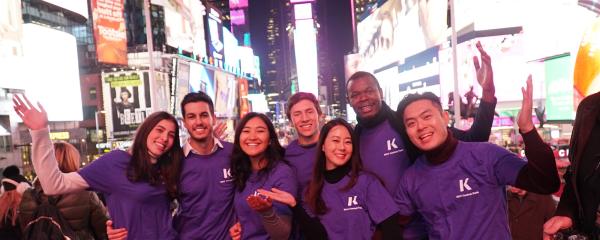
x=540 y=174
x=53 y=181
x=482 y=124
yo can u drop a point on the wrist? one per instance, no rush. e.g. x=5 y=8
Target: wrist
x=488 y=95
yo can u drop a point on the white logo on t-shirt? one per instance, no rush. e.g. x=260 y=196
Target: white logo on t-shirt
x=352 y=204
x=226 y=175
x=463 y=185
x=392 y=147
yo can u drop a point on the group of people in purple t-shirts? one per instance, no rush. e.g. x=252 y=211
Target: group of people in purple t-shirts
x=400 y=174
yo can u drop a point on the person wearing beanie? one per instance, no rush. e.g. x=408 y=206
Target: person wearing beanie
x=13 y=186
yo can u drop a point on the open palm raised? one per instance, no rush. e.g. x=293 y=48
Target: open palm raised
x=33 y=118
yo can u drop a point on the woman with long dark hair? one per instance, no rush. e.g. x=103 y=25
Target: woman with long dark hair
x=347 y=202
x=138 y=184
x=257 y=162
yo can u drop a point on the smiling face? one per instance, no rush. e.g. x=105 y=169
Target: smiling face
x=337 y=147
x=160 y=139
x=426 y=124
x=305 y=119
x=364 y=96
x=254 y=138
x=199 y=121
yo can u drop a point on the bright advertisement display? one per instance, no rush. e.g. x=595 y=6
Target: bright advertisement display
x=238 y=17
x=183 y=84
x=235 y=4
x=51 y=75
x=214 y=36
x=202 y=79
x=11 y=48
x=79 y=7
x=587 y=65
x=127 y=101
x=184 y=25
x=559 y=89
x=232 y=58
x=109 y=31
x=225 y=95
x=305 y=49
x=395 y=31
x=244 y=105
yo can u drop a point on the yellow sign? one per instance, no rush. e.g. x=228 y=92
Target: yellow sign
x=59 y=135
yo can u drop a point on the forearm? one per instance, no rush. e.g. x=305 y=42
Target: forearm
x=53 y=181
x=277 y=226
x=311 y=227
x=540 y=174
x=390 y=228
x=568 y=206
x=482 y=125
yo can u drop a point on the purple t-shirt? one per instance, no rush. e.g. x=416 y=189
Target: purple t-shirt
x=354 y=214
x=464 y=197
x=282 y=177
x=206 y=196
x=139 y=207
x=382 y=152
x=302 y=159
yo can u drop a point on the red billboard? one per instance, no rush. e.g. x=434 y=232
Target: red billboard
x=109 y=31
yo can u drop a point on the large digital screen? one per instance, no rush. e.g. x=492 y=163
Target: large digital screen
x=235 y=4
x=184 y=25
x=202 y=79
x=79 y=7
x=51 y=75
x=109 y=31
x=11 y=49
x=225 y=94
x=127 y=101
x=559 y=89
x=232 y=59
x=587 y=65
x=214 y=36
x=305 y=48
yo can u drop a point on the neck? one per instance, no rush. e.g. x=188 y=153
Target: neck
x=203 y=146
x=381 y=116
x=336 y=174
x=258 y=162
x=303 y=141
x=442 y=153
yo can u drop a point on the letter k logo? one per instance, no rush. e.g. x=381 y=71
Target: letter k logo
x=226 y=173
x=464 y=184
x=352 y=201
x=391 y=144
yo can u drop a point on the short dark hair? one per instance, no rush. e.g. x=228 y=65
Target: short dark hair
x=413 y=97
x=362 y=74
x=197 y=97
x=299 y=96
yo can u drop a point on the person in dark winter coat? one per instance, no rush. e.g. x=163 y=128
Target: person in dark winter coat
x=83 y=210
x=13 y=186
x=578 y=206
x=527 y=213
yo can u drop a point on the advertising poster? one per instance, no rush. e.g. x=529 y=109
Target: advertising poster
x=244 y=107
x=202 y=79
x=559 y=89
x=127 y=102
x=225 y=94
x=109 y=31
x=184 y=25
x=214 y=36
x=11 y=50
x=183 y=85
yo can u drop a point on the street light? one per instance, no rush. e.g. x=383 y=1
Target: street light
x=98 y=129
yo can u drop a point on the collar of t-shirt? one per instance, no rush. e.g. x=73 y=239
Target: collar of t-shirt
x=443 y=152
x=310 y=145
x=335 y=175
x=187 y=148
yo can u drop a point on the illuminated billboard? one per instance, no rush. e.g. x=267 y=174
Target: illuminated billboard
x=51 y=74
x=559 y=89
x=230 y=51
x=109 y=31
x=11 y=49
x=587 y=65
x=235 y=4
x=79 y=7
x=238 y=17
x=244 y=105
x=202 y=79
x=127 y=101
x=184 y=25
x=305 y=49
x=225 y=94
x=214 y=36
